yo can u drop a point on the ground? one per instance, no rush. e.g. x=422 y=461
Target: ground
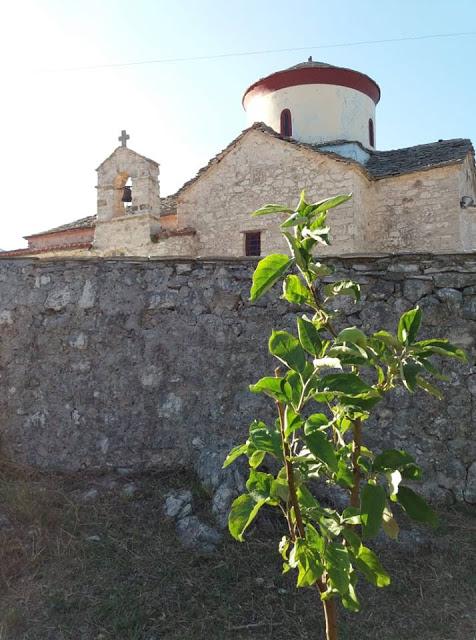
x=94 y=558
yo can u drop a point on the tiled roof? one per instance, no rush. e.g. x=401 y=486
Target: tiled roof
x=168 y=205
x=59 y=247
x=82 y=223
x=383 y=164
x=309 y=64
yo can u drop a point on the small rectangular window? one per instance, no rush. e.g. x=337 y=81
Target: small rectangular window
x=253 y=243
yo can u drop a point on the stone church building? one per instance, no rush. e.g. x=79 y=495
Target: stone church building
x=312 y=127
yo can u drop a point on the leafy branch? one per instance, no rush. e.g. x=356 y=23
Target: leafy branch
x=323 y=400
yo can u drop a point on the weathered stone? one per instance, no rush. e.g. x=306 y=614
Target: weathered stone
x=469 y=307
x=469 y=490
x=414 y=289
x=450 y=296
x=107 y=378
x=198 y=535
x=454 y=280
x=178 y=504
x=224 y=484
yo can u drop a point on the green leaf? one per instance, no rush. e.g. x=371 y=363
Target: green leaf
x=338 y=566
x=343 y=288
x=351 y=515
x=273 y=387
x=428 y=387
x=388 y=340
x=372 y=504
x=321 y=447
x=442 y=347
x=306 y=499
x=268 y=271
x=309 y=564
x=409 y=373
x=347 y=383
x=316 y=421
x=235 y=453
x=411 y=471
x=330 y=203
x=369 y=564
x=391 y=459
x=393 y=478
x=287 y=348
x=349 y=599
x=256 y=458
x=359 y=407
x=354 y=335
x=416 y=507
x=267 y=439
x=294 y=219
x=302 y=206
x=309 y=336
x=243 y=511
x=318 y=235
x=261 y=486
x=272 y=208
x=327 y=363
x=344 y=476
x=389 y=524
x=319 y=269
x=349 y=353
x=408 y=325
x=299 y=254
x=292 y=421
x=295 y=291
x=293 y=386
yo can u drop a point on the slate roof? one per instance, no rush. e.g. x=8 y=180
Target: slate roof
x=54 y=247
x=383 y=164
x=168 y=205
x=82 y=223
x=309 y=64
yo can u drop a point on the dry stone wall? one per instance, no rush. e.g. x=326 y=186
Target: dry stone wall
x=139 y=364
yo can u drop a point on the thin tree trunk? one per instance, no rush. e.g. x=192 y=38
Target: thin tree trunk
x=330 y=608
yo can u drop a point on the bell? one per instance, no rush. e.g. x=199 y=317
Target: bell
x=127 y=195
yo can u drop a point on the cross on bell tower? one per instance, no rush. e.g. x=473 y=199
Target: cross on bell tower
x=123 y=138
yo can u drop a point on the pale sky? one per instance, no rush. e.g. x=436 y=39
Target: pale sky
x=58 y=125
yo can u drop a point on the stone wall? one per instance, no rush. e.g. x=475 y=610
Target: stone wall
x=135 y=363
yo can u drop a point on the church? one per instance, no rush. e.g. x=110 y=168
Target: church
x=313 y=127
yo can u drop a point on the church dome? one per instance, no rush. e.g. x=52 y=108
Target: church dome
x=316 y=102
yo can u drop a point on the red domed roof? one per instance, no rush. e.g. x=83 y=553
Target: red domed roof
x=312 y=72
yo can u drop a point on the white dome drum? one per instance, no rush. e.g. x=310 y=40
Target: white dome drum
x=315 y=102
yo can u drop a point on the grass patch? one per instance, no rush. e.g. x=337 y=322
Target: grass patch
x=112 y=569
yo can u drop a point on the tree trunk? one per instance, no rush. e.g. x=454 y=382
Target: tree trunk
x=330 y=612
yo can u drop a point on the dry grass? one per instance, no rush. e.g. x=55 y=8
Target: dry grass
x=112 y=569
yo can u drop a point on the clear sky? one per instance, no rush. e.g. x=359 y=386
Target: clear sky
x=58 y=125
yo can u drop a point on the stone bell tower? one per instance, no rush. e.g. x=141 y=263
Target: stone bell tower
x=128 y=205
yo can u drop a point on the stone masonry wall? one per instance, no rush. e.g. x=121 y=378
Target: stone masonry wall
x=138 y=364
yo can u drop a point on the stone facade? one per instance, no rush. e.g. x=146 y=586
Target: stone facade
x=139 y=364
x=403 y=201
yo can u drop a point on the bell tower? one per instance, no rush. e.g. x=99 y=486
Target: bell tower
x=128 y=203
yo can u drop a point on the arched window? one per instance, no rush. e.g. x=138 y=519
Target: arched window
x=286 y=123
x=371 y=133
